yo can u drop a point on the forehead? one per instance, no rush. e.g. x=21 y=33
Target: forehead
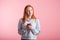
x=29 y=8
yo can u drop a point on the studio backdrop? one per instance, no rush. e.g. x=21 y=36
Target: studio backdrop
x=48 y=12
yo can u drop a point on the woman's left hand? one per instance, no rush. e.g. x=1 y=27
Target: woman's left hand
x=29 y=27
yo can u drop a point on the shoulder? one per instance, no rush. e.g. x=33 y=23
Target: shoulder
x=20 y=20
x=37 y=19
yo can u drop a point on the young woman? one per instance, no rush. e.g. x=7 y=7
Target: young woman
x=28 y=26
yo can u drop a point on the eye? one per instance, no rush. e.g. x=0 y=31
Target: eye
x=29 y=10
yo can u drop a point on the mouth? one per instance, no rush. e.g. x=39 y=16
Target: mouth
x=28 y=15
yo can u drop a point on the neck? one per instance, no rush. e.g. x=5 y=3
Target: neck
x=28 y=18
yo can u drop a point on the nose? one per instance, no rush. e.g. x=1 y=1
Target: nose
x=29 y=12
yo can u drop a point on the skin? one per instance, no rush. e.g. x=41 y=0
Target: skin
x=29 y=10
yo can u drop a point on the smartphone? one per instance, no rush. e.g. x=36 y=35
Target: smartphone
x=28 y=24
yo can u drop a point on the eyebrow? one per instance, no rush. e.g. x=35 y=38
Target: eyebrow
x=31 y=9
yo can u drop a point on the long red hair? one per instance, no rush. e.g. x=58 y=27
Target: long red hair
x=25 y=16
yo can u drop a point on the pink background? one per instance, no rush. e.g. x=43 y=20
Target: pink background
x=48 y=11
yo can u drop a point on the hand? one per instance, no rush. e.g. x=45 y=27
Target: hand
x=29 y=27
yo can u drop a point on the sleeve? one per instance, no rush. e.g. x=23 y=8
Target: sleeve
x=19 y=27
x=20 y=30
x=36 y=30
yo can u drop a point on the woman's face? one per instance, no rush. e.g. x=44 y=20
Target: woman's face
x=29 y=11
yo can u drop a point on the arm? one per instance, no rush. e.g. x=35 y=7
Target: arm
x=19 y=27
x=21 y=31
x=36 y=30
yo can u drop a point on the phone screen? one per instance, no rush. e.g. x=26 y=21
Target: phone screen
x=28 y=24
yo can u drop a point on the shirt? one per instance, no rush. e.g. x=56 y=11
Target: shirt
x=29 y=34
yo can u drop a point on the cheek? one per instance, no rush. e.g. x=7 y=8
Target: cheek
x=31 y=12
